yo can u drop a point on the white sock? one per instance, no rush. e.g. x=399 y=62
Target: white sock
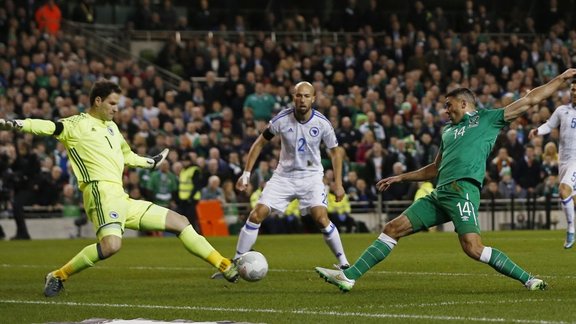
x=486 y=254
x=247 y=238
x=332 y=239
x=390 y=242
x=568 y=207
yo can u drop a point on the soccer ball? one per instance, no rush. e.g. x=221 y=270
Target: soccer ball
x=252 y=266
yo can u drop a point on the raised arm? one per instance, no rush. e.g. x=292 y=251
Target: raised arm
x=520 y=106
x=34 y=126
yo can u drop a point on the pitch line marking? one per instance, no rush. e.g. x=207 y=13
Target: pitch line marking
x=383 y=272
x=414 y=273
x=277 y=311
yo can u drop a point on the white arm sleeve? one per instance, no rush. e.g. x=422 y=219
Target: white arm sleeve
x=544 y=129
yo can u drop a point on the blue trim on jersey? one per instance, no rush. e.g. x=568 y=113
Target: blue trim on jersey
x=317 y=113
x=282 y=114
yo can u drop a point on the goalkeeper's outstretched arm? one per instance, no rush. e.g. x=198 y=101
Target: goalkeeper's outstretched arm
x=34 y=126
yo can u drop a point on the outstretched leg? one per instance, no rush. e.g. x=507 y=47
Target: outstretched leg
x=374 y=254
x=193 y=242
x=472 y=245
x=110 y=242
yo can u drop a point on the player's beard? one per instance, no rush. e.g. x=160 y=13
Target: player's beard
x=302 y=110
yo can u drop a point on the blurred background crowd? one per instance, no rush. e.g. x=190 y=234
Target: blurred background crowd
x=381 y=84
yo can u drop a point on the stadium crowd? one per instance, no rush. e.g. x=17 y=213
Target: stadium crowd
x=383 y=95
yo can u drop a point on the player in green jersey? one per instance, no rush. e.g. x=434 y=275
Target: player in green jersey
x=98 y=153
x=459 y=168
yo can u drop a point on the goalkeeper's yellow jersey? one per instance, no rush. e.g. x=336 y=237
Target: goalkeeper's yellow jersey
x=96 y=148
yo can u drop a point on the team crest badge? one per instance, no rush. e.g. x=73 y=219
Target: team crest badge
x=114 y=215
x=111 y=131
x=314 y=131
x=474 y=121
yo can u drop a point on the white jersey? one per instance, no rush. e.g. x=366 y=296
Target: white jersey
x=565 y=117
x=300 y=143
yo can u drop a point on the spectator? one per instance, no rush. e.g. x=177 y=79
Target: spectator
x=48 y=17
x=364 y=196
x=527 y=170
x=376 y=165
x=500 y=164
x=168 y=15
x=339 y=212
x=491 y=191
x=348 y=136
x=364 y=146
x=203 y=18
x=163 y=185
x=401 y=191
x=189 y=187
x=213 y=190
x=24 y=171
x=372 y=125
x=260 y=103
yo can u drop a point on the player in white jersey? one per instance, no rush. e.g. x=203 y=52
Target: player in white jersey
x=565 y=117
x=299 y=173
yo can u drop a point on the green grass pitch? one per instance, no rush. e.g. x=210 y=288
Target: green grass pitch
x=427 y=279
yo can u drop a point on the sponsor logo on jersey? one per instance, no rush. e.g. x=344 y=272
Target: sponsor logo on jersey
x=114 y=215
x=290 y=129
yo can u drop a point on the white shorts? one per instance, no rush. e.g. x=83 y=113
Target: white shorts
x=567 y=174
x=280 y=191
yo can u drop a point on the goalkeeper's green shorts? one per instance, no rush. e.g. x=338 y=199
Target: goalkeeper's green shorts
x=111 y=210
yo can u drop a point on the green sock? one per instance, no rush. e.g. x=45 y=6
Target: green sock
x=85 y=259
x=375 y=253
x=502 y=263
x=195 y=244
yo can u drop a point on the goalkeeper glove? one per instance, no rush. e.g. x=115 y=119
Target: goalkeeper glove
x=16 y=124
x=155 y=161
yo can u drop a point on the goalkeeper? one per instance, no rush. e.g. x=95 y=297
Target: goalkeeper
x=98 y=153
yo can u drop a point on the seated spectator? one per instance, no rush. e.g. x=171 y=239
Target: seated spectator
x=549 y=160
x=491 y=191
x=213 y=190
x=48 y=17
x=260 y=103
x=364 y=146
x=372 y=125
x=363 y=197
x=500 y=164
x=509 y=188
x=400 y=191
x=527 y=170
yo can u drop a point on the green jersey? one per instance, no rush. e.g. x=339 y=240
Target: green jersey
x=96 y=148
x=466 y=145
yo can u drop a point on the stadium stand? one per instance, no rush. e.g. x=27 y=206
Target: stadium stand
x=186 y=80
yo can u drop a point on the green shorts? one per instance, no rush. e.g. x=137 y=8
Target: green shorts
x=106 y=203
x=457 y=202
